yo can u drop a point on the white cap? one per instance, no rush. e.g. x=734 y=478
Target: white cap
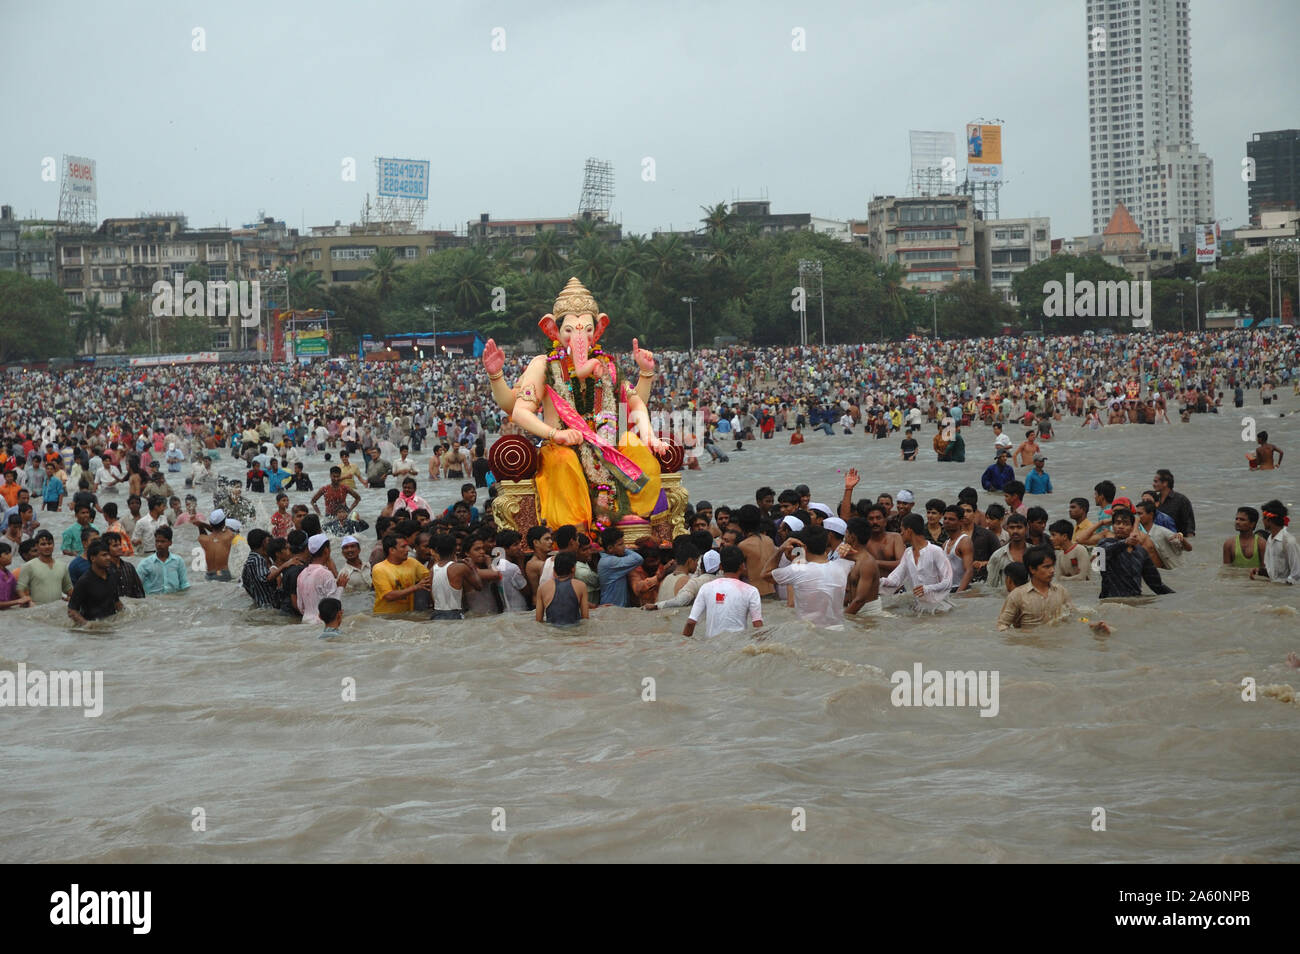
x=835 y=525
x=711 y=561
x=234 y=524
x=217 y=516
x=822 y=509
x=317 y=541
x=794 y=523
x=349 y=539
x=905 y=496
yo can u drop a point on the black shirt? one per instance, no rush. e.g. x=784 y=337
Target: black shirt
x=909 y=447
x=481 y=469
x=289 y=588
x=127 y=580
x=1179 y=509
x=93 y=597
x=298 y=481
x=1126 y=569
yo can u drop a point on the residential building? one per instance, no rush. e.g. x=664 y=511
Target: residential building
x=932 y=237
x=1005 y=247
x=26 y=246
x=342 y=253
x=1143 y=154
x=1280 y=224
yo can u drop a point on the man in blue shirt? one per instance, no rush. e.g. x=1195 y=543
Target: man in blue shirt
x=1037 y=480
x=163 y=571
x=276 y=475
x=52 y=494
x=998 y=474
x=614 y=566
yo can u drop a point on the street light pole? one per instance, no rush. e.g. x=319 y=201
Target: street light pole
x=690 y=308
x=1200 y=324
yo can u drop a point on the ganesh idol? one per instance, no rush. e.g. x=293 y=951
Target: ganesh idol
x=573 y=399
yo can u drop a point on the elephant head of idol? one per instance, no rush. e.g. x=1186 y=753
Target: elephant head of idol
x=576 y=325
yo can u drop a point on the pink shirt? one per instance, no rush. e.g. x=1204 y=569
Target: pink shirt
x=315 y=583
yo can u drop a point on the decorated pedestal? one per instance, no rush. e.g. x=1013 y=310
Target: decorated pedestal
x=514 y=461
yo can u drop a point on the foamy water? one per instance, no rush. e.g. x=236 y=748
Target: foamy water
x=211 y=705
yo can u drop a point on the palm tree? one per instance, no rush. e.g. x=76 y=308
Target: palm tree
x=92 y=324
x=547 y=254
x=305 y=287
x=470 y=282
x=716 y=218
x=624 y=264
x=132 y=325
x=589 y=261
x=586 y=228
x=667 y=253
x=382 y=271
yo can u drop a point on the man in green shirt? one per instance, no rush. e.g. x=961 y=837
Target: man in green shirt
x=72 y=536
x=45 y=579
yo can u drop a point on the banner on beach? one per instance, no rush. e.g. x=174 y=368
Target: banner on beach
x=196 y=357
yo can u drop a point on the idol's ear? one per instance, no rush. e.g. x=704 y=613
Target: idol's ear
x=549 y=328
x=602 y=322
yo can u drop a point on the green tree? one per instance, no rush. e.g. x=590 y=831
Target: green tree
x=717 y=219
x=382 y=272
x=33 y=319
x=547 y=254
x=306 y=288
x=1029 y=290
x=93 y=324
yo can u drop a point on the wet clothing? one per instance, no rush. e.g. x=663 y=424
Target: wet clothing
x=1125 y=569
x=564 y=608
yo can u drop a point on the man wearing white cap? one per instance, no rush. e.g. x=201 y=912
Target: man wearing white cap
x=787 y=528
x=355 y=574
x=905 y=502
x=818 y=585
x=316 y=582
x=706 y=572
x=819 y=512
x=216 y=537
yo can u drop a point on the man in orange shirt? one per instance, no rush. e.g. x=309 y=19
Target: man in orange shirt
x=10 y=488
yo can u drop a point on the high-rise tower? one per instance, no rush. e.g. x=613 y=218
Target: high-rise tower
x=1140 y=119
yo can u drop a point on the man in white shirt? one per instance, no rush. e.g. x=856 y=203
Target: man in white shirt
x=728 y=600
x=818 y=585
x=142 y=536
x=1282 y=554
x=924 y=568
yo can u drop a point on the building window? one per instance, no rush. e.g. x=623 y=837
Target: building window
x=216 y=250
x=217 y=272
x=221 y=340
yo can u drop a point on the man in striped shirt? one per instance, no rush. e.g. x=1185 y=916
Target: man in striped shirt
x=256 y=567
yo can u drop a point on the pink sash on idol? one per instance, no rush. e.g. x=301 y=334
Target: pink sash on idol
x=625 y=471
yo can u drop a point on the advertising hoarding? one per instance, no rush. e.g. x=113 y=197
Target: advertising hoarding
x=403 y=178
x=983 y=152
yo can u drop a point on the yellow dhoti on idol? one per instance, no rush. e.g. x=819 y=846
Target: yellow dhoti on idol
x=562 y=488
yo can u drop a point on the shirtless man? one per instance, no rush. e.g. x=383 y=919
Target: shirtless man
x=851 y=479
x=863 y=591
x=215 y=538
x=539 y=538
x=1246 y=549
x=757 y=548
x=885 y=548
x=1264 y=454
x=1024 y=455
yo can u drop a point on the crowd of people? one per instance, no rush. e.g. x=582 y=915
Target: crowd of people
x=130 y=454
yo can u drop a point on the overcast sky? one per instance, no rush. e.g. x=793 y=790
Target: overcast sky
x=711 y=91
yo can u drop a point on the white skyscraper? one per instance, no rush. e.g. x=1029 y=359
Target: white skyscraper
x=1140 y=119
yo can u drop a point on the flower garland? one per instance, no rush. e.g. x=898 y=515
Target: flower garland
x=593 y=466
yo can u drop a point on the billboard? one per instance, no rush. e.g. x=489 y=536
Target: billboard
x=79 y=176
x=983 y=152
x=403 y=178
x=1207 y=245
x=311 y=344
x=934 y=162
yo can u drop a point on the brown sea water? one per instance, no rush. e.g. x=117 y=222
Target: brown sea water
x=211 y=705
